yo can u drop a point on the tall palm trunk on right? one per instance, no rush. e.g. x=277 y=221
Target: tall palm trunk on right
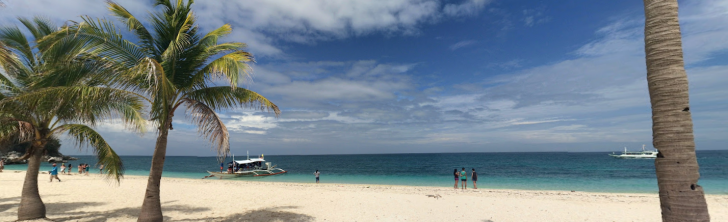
x=174 y=67
x=681 y=198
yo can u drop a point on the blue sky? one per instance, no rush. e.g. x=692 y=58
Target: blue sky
x=401 y=76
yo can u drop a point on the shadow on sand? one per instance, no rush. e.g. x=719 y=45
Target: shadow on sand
x=129 y=212
x=263 y=215
x=8 y=202
x=70 y=211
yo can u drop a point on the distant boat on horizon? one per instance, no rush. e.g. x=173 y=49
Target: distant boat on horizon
x=636 y=155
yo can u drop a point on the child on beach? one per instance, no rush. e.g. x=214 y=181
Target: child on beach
x=86 y=168
x=80 y=168
x=317 y=173
x=475 y=179
x=63 y=168
x=464 y=179
x=54 y=173
x=457 y=175
x=69 y=169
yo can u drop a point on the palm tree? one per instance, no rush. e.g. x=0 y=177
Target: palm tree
x=681 y=198
x=174 y=66
x=38 y=103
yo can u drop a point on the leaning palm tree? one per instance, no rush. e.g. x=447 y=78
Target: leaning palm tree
x=38 y=103
x=174 y=66
x=681 y=198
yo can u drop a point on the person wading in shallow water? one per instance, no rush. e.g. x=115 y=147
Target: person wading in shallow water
x=457 y=177
x=474 y=176
x=317 y=173
x=464 y=179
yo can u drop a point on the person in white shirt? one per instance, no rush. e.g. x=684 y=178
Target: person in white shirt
x=317 y=173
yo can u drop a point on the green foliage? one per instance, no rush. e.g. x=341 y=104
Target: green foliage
x=52 y=148
x=55 y=84
x=173 y=65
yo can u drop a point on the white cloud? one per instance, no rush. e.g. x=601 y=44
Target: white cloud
x=262 y=24
x=467 y=8
x=461 y=44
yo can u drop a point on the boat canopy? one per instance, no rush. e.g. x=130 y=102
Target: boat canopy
x=254 y=160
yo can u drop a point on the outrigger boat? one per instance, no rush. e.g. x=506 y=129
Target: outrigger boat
x=636 y=155
x=254 y=167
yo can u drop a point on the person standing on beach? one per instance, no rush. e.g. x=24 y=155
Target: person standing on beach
x=457 y=175
x=317 y=173
x=54 y=173
x=101 y=169
x=475 y=179
x=86 y=168
x=464 y=179
x=2 y=164
x=63 y=168
x=69 y=169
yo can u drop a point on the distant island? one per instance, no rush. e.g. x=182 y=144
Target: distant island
x=12 y=153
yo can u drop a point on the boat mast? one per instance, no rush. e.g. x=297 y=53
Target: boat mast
x=247 y=152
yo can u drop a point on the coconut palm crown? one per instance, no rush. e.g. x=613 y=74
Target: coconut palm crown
x=173 y=66
x=39 y=100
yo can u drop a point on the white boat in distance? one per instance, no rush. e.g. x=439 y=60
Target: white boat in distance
x=254 y=167
x=636 y=155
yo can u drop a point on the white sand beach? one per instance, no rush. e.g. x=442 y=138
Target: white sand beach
x=91 y=198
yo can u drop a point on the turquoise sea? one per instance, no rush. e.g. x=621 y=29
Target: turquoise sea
x=594 y=172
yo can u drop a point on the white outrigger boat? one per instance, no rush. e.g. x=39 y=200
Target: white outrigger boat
x=636 y=155
x=254 y=167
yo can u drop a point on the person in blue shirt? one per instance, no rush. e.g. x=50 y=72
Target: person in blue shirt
x=54 y=173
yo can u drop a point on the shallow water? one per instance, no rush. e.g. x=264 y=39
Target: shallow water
x=594 y=172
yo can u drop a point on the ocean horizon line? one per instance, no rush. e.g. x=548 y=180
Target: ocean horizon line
x=354 y=154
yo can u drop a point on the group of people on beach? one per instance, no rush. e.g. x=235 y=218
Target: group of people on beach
x=463 y=177
x=83 y=169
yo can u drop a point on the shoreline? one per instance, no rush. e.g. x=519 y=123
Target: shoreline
x=126 y=176
x=92 y=198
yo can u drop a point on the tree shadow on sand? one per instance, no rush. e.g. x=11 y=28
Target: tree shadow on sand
x=129 y=212
x=8 y=202
x=263 y=215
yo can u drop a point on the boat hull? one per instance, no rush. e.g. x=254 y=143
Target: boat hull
x=632 y=157
x=251 y=173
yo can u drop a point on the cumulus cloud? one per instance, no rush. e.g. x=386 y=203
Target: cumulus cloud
x=263 y=24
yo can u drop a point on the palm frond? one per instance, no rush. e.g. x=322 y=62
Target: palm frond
x=81 y=104
x=14 y=130
x=103 y=35
x=134 y=25
x=14 y=39
x=230 y=66
x=211 y=38
x=225 y=97
x=209 y=125
x=86 y=137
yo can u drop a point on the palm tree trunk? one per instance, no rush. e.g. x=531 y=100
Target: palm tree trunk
x=152 y=207
x=31 y=206
x=681 y=198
